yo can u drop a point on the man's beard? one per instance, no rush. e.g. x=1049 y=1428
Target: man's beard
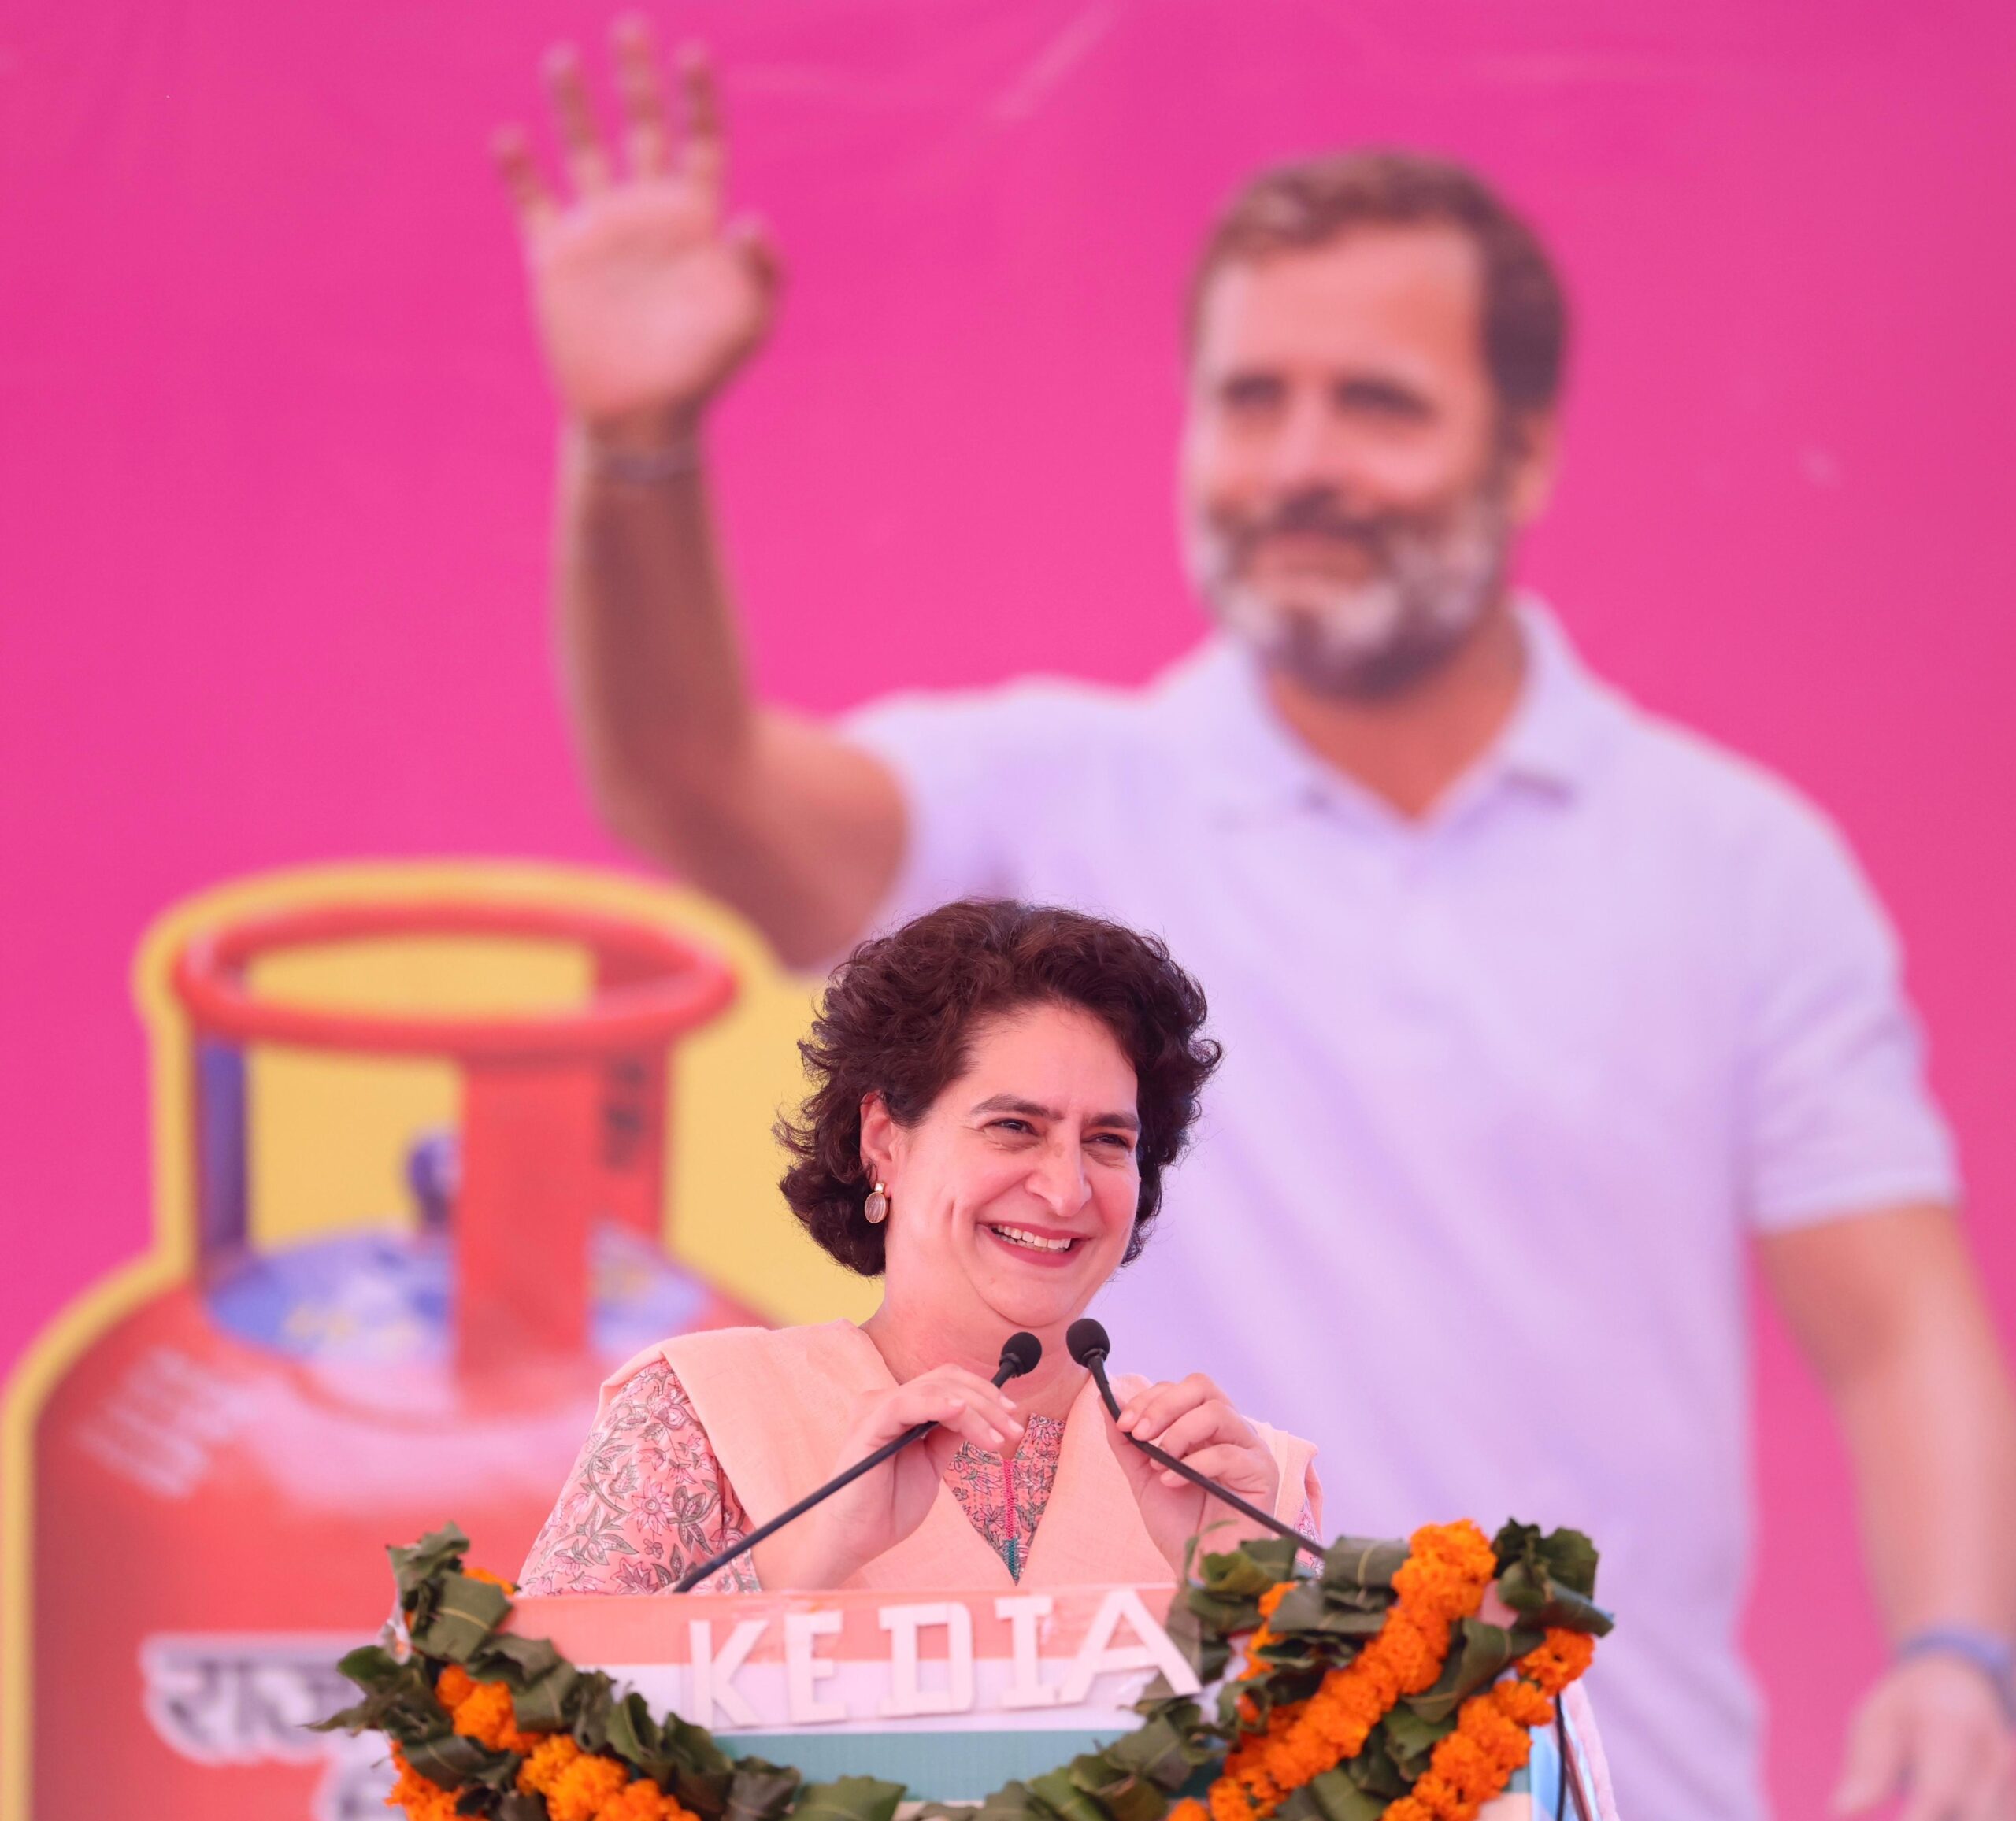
x=1430 y=583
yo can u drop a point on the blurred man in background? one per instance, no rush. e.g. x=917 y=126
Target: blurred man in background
x=1538 y=1011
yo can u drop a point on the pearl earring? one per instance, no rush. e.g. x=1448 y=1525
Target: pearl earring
x=876 y=1207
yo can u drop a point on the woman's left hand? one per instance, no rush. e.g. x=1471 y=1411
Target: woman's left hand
x=1193 y=1420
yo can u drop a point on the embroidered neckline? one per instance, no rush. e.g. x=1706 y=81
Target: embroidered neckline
x=1004 y=1499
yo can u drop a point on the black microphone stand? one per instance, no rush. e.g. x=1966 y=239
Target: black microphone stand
x=1020 y=1353
x=1089 y=1346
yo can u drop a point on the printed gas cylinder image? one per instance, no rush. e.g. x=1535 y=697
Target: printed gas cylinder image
x=215 y=1473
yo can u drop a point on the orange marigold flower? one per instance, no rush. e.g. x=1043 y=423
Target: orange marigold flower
x=578 y=1793
x=1188 y=1809
x=1413 y=1658
x=1559 y=1661
x=639 y=1800
x=1270 y=1601
x=1524 y=1704
x=1300 y=1758
x=550 y=1757
x=495 y=1580
x=1460 y=1548
x=1228 y=1801
x=422 y=1800
x=486 y=1716
x=1489 y=1721
x=1473 y=1772
x=1436 y=1796
x=455 y=1687
x=1517 y=1749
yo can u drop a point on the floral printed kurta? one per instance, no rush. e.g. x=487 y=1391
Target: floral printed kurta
x=647 y=1499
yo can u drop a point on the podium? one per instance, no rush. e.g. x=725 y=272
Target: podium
x=951 y=1693
x=1373 y=1691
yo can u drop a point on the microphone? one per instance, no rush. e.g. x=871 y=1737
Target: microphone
x=1020 y=1353
x=1089 y=1345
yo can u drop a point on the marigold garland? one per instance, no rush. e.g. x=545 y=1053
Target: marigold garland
x=578 y=1785
x=1443 y=1580
x=1493 y=1736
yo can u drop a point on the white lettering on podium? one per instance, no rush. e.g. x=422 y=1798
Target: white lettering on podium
x=1099 y=1653
x=908 y=1697
x=1027 y=1688
x=714 y=1677
x=803 y=1670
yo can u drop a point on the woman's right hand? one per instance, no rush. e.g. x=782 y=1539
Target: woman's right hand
x=834 y=1541
x=647 y=301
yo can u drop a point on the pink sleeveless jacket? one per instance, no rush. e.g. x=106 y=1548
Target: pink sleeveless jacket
x=774 y=1402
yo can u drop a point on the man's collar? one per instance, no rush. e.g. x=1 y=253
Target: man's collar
x=1564 y=717
x=1562 y=722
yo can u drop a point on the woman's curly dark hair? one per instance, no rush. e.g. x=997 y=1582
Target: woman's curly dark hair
x=897 y=1019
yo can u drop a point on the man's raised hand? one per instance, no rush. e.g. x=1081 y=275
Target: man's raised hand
x=646 y=301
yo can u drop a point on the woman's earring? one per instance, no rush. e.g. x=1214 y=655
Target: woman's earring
x=876 y=1207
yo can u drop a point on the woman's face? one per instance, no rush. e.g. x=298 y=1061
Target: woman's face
x=1014 y=1197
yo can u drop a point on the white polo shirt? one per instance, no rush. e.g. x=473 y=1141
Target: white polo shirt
x=1504 y=1092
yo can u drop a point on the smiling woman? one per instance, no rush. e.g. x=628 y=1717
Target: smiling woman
x=997 y=1091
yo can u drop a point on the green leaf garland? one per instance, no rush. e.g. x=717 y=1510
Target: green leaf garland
x=1322 y=1624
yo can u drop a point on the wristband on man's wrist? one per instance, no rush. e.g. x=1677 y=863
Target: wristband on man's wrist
x=642 y=466
x=1993 y=1655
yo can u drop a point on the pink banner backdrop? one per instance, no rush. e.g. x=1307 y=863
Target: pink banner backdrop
x=275 y=453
